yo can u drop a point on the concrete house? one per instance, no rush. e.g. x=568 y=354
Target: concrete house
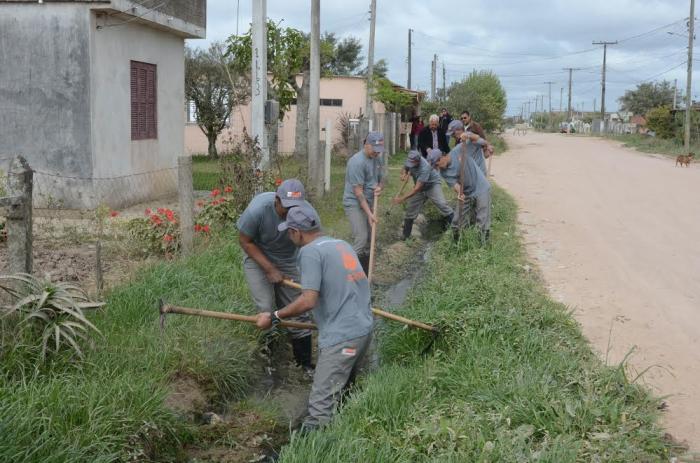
x=91 y=95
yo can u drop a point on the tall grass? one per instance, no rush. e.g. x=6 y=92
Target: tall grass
x=110 y=406
x=511 y=378
x=669 y=147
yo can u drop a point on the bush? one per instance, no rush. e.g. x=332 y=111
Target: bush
x=661 y=121
x=158 y=232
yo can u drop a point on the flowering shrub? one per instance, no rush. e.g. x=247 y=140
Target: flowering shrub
x=218 y=211
x=159 y=231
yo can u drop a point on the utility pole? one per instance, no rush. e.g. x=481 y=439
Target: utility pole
x=314 y=155
x=528 y=109
x=561 y=97
x=433 y=78
x=594 y=104
x=602 y=97
x=550 y=96
x=444 y=88
x=688 y=90
x=369 y=110
x=675 y=92
x=409 y=59
x=571 y=70
x=259 y=80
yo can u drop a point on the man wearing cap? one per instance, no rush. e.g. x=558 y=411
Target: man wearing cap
x=270 y=256
x=336 y=291
x=363 y=180
x=472 y=188
x=427 y=185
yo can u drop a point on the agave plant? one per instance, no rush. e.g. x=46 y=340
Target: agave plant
x=51 y=312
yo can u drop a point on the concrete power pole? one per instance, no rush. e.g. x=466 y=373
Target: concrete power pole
x=675 y=92
x=571 y=70
x=594 y=104
x=259 y=80
x=369 y=110
x=602 y=97
x=550 y=96
x=409 y=59
x=314 y=158
x=444 y=88
x=561 y=98
x=688 y=90
x=433 y=78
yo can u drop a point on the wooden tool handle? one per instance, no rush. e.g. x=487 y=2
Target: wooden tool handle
x=167 y=308
x=373 y=240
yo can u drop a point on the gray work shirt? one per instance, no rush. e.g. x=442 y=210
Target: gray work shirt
x=259 y=221
x=424 y=173
x=475 y=182
x=365 y=171
x=342 y=312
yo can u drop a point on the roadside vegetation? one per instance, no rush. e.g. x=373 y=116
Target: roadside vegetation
x=510 y=378
x=670 y=147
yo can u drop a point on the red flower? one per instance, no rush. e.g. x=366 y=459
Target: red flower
x=156 y=219
x=148 y=211
x=205 y=229
x=161 y=210
x=278 y=182
x=215 y=192
x=167 y=238
x=228 y=189
x=113 y=213
x=197 y=227
x=170 y=215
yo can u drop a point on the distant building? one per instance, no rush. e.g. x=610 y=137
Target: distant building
x=339 y=95
x=91 y=94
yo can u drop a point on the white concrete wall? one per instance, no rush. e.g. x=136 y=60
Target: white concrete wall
x=113 y=152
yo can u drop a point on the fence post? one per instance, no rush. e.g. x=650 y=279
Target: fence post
x=327 y=159
x=186 y=199
x=19 y=216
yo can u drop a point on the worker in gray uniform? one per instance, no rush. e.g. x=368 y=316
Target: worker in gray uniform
x=335 y=289
x=471 y=186
x=270 y=256
x=427 y=185
x=363 y=180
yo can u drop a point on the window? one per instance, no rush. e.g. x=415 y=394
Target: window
x=144 y=117
x=191 y=112
x=331 y=102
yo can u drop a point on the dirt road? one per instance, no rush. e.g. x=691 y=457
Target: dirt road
x=615 y=234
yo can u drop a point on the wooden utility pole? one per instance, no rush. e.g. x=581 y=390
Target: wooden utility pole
x=571 y=70
x=675 y=92
x=314 y=155
x=594 y=104
x=444 y=88
x=605 y=58
x=408 y=86
x=369 y=110
x=689 y=85
x=561 y=98
x=550 y=96
x=259 y=80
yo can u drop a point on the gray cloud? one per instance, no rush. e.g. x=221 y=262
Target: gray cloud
x=526 y=43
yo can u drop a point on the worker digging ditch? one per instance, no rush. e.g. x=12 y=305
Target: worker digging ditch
x=270 y=257
x=336 y=289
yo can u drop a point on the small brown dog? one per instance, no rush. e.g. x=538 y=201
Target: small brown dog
x=685 y=159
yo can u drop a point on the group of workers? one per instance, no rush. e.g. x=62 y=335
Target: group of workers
x=281 y=236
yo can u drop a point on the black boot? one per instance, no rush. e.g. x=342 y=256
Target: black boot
x=485 y=237
x=364 y=262
x=302 y=352
x=455 y=234
x=447 y=221
x=407 y=228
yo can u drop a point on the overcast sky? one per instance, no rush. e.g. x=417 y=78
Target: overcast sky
x=525 y=43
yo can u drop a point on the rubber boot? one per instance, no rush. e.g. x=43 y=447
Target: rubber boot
x=302 y=352
x=455 y=234
x=407 y=228
x=364 y=262
x=447 y=221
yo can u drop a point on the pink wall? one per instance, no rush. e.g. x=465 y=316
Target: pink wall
x=351 y=90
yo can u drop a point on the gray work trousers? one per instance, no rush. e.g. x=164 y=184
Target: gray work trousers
x=474 y=212
x=269 y=297
x=431 y=192
x=361 y=229
x=336 y=369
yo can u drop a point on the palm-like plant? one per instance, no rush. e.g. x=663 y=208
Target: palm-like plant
x=51 y=312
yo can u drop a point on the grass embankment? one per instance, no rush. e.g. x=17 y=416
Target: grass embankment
x=511 y=377
x=655 y=145
x=118 y=403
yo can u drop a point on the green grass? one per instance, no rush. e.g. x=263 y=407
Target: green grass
x=645 y=144
x=110 y=407
x=510 y=378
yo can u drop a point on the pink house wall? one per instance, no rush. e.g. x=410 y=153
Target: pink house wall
x=352 y=90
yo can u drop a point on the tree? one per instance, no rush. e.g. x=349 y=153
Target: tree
x=482 y=94
x=288 y=56
x=394 y=101
x=380 y=69
x=214 y=89
x=661 y=121
x=647 y=96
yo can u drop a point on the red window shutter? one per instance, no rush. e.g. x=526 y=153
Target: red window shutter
x=144 y=101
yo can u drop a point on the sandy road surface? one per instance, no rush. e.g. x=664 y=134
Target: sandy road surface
x=615 y=234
